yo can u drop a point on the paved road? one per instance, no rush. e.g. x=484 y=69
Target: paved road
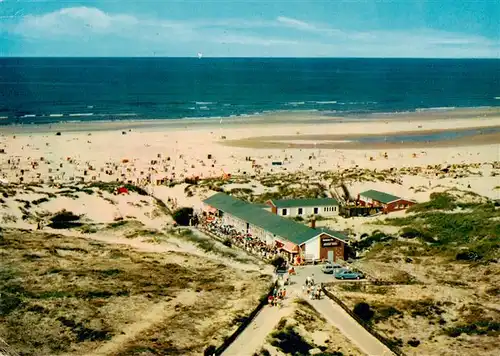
x=253 y=338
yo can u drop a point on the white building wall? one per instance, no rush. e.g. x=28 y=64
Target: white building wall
x=312 y=249
x=366 y=199
x=331 y=210
x=238 y=224
x=241 y=226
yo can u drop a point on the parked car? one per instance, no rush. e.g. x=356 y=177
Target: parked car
x=330 y=268
x=348 y=274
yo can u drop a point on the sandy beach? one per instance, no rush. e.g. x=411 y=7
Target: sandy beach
x=148 y=152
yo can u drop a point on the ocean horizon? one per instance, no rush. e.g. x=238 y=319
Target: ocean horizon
x=51 y=90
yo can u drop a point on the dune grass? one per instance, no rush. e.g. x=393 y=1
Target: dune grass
x=63 y=294
x=438 y=223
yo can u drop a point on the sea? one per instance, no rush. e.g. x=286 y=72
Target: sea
x=49 y=90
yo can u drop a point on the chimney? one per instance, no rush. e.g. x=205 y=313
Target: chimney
x=313 y=223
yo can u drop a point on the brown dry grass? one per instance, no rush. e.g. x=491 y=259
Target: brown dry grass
x=69 y=295
x=450 y=307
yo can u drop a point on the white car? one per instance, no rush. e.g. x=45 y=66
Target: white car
x=331 y=268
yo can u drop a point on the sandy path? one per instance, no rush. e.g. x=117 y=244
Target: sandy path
x=254 y=336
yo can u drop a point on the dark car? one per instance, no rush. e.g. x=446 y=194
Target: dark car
x=349 y=274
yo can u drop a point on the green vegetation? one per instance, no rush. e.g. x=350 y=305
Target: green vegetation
x=143 y=233
x=290 y=342
x=474 y=232
x=368 y=241
x=207 y=244
x=363 y=311
x=65 y=220
x=39 y=201
x=183 y=216
x=111 y=187
x=384 y=312
x=485 y=327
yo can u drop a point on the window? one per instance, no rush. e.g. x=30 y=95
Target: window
x=316 y=210
x=334 y=208
x=284 y=212
x=300 y=211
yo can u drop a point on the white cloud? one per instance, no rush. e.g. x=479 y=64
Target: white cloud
x=321 y=40
x=298 y=24
x=252 y=40
x=74 y=20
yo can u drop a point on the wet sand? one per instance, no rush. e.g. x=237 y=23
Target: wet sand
x=356 y=142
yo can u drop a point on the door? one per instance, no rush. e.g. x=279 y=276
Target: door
x=330 y=256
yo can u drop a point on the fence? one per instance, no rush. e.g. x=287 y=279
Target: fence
x=396 y=350
x=228 y=341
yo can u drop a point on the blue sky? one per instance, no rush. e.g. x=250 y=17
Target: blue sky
x=240 y=28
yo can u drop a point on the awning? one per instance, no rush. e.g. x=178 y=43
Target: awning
x=290 y=247
x=210 y=209
x=279 y=244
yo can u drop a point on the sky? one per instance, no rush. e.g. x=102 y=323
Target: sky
x=241 y=28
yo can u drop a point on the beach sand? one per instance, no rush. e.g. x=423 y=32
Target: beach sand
x=141 y=150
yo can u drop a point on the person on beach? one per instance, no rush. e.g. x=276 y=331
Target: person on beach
x=270 y=300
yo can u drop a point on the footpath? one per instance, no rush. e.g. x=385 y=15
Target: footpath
x=359 y=336
x=254 y=336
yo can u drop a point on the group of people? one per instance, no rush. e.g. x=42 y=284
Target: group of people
x=277 y=297
x=312 y=290
x=245 y=241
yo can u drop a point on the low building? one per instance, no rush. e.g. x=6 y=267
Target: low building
x=304 y=207
x=326 y=245
x=389 y=202
x=293 y=237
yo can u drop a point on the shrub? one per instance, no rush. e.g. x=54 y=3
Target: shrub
x=191 y=180
x=65 y=220
x=290 y=342
x=363 y=311
x=376 y=236
x=210 y=350
x=438 y=201
x=410 y=232
x=468 y=256
x=64 y=216
x=40 y=201
x=278 y=261
x=182 y=216
x=478 y=328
